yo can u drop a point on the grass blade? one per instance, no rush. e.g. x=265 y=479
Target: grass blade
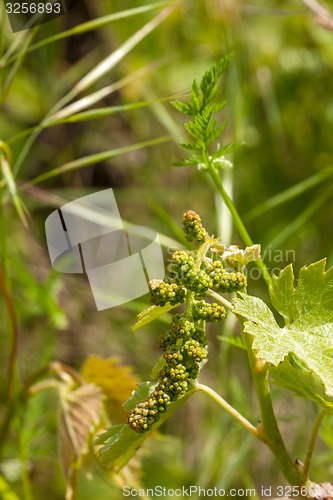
x=81 y=104
x=92 y=25
x=9 y=179
x=290 y=194
x=110 y=62
x=96 y=73
x=301 y=220
x=92 y=159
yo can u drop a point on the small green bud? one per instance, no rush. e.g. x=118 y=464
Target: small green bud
x=192 y=226
x=224 y=281
x=212 y=313
x=163 y=293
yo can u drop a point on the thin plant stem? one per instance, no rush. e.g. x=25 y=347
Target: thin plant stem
x=235 y=216
x=312 y=442
x=230 y=409
x=221 y=299
x=24 y=455
x=20 y=399
x=12 y=316
x=268 y=428
x=290 y=193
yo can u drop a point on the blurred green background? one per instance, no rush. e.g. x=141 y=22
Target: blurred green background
x=279 y=89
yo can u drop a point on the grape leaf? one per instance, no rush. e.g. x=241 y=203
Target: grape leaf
x=80 y=413
x=150 y=314
x=302 y=351
x=139 y=395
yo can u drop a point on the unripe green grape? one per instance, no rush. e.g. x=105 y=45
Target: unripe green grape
x=183 y=271
x=212 y=313
x=194 y=350
x=173 y=357
x=192 y=369
x=144 y=416
x=181 y=328
x=200 y=336
x=192 y=226
x=224 y=281
x=162 y=293
x=197 y=281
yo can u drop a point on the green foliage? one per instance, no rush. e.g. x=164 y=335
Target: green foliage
x=163 y=293
x=150 y=314
x=203 y=127
x=185 y=343
x=301 y=351
x=225 y=281
x=273 y=95
x=212 y=313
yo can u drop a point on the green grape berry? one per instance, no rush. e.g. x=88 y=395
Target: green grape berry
x=194 y=350
x=162 y=293
x=192 y=226
x=181 y=328
x=212 y=313
x=190 y=275
x=174 y=381
x=192 y=369
x=181 y=264
x=144 y=415
x=200 y=336
x=224 y=281
x=198 y=282
x=184 y=272
x=173 y=357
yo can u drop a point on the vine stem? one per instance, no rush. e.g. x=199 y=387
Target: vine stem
x=214 y=174
x=268 y=427
x=230 y=409
x=221 y=299
x=312 y=442
x=267 y=430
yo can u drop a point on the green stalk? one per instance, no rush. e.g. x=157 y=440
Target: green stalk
x=312 y=442
x=235 y=215
x=230 y=409
x=268 y=427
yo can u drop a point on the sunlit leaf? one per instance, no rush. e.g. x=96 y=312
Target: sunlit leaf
x=302 y=351
x=141 y=394
x=149 y=315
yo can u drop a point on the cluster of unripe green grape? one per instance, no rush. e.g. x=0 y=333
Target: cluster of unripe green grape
x=185 y=344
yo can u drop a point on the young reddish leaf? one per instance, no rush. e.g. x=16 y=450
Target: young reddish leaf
x=80 y=411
